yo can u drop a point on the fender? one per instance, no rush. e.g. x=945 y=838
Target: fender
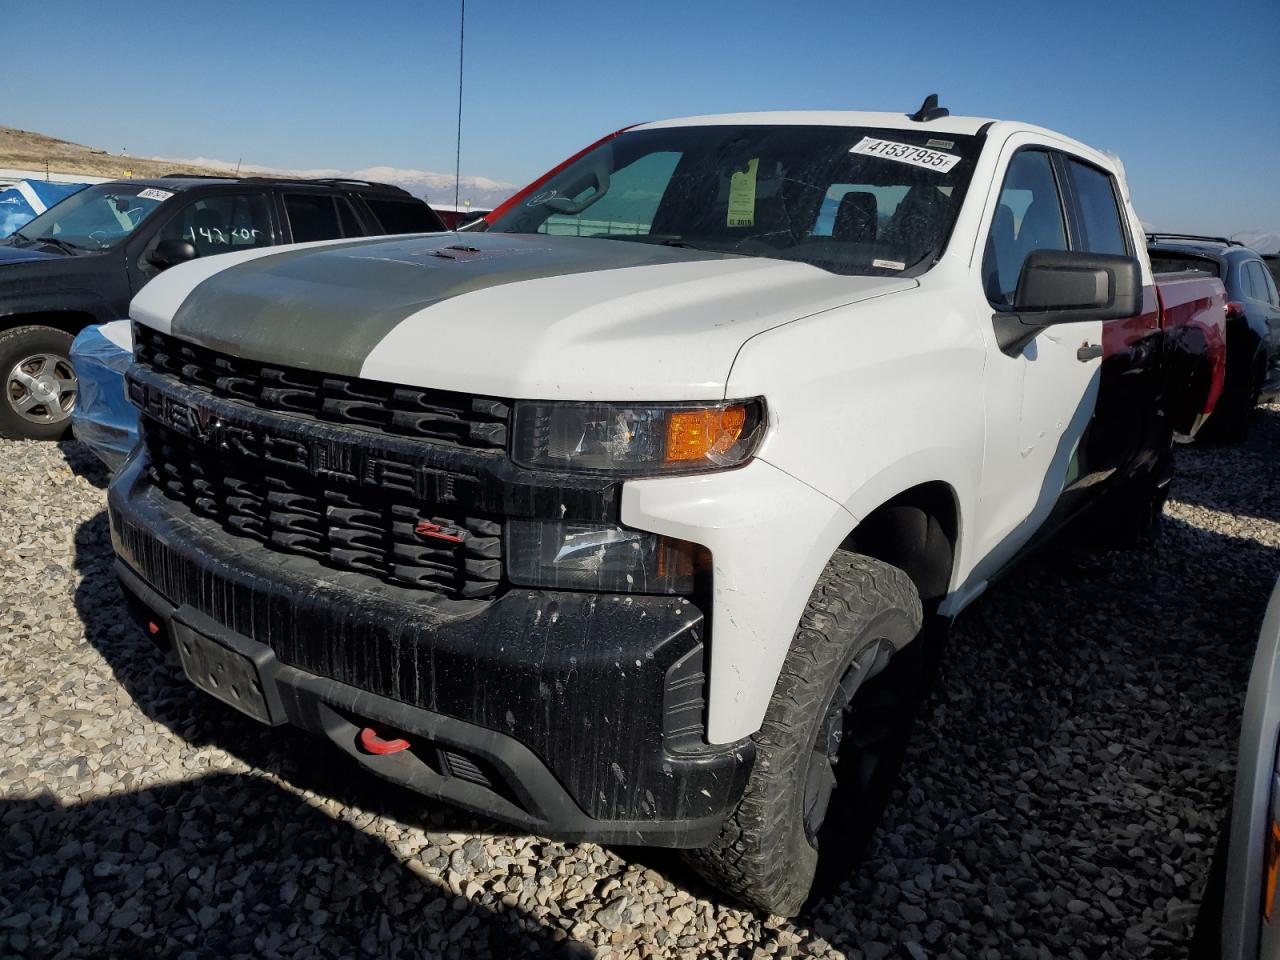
x=57 y=300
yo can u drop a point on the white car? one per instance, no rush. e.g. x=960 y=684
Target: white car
x=622 y=519
x=1240 y=918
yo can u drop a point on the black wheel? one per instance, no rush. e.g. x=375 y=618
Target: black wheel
x=39 y=386
x=1130 y=517
x=831 y=744
x=1233 y=415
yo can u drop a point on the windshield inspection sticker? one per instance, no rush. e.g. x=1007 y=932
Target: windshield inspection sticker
x=151 y=193
x=906 y=153
x=889 y=264
x=742 y=197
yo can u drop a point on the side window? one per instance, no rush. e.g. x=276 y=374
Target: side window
x=401 y=216
x=1095 y=192
x=1272 y=295
x=1260 y=281
x=1028 y=217
x=313 y=216
x=347 y=218
x=1251 y=283
x=220 y=224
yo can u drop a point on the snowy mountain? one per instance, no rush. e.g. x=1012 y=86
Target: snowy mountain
x=438 y=187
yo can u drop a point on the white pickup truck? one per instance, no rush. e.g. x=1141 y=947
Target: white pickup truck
x=623 y=518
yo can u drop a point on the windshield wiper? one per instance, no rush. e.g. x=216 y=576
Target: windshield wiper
x=58 y=242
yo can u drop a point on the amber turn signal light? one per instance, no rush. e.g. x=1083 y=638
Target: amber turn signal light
x=703 y=434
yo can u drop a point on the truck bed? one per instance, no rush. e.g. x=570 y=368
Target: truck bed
x=1193 y=315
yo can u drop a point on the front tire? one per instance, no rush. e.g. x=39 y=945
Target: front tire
x=832 y=740
x=37 y=383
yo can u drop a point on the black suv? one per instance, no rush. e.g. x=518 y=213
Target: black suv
x=81 y=261
x=1253 y=320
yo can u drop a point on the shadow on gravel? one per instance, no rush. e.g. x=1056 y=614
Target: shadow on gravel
x=155 y=682
x=1217 y=476
x=228 y=866
x=1067 y=778
x=84 y=464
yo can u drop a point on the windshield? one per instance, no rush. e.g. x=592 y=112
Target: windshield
x=97 y=217
x=851 y=200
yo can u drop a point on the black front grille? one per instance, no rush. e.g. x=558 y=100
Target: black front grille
x=346 y=526
x=437 y=415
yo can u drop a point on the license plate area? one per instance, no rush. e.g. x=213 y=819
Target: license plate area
x=224 y=673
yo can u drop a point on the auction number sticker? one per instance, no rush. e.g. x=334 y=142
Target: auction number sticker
x=906 y=153
x=151 y=193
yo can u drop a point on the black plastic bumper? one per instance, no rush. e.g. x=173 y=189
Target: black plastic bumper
x=566 y=714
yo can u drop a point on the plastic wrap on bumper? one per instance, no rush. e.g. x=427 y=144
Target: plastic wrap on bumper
x=103 y=419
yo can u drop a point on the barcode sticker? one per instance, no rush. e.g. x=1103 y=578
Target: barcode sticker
x=906 y=153
x=151 y=193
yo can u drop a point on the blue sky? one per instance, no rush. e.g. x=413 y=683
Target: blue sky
x=1185 y=93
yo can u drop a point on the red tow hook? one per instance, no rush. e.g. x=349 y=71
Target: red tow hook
x=373 y=742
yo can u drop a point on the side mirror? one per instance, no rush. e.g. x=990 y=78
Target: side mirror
x=1068 y=286
x=169 y=253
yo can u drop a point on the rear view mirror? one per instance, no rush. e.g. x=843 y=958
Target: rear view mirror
x=170 y=253
x=1068 y=286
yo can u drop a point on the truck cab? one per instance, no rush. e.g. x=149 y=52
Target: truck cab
x=628 y=518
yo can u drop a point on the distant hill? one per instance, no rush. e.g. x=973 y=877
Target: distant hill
x=26 y=150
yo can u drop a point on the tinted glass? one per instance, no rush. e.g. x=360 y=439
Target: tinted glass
x=1259 y=280
x=1272 y=296
x=403 y=216
x=1253 y=286
x=846 y=199
x=1170 y=261
x=312 y=217
x=347 y=218
x=98 y=217
x=1028 y=217
x=1096 y=194
x=220 y=224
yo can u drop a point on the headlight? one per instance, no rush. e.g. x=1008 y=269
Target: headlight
x=635 y=438
x=600 y=557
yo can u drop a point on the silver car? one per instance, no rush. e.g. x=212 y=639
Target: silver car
x=1240 y=918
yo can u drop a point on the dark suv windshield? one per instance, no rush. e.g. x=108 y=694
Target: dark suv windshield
x=97 y=217
x=847 y=199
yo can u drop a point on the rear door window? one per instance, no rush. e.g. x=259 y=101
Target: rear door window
x=222 y=223
x=1095 y=195
x=1028 y=217
x=320 y=216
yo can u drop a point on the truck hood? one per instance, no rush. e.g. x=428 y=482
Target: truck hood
x=510 y=315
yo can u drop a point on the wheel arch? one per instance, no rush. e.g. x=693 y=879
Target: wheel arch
x=918 y=531
x=71 y=320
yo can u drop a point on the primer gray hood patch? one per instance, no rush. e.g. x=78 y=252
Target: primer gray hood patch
x=326 y=308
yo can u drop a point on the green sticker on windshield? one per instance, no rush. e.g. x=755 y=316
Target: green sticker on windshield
x=742 y=196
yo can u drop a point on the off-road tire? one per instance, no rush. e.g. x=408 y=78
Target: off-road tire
x=1131 y=518
x=16 y=344
x=860 y=610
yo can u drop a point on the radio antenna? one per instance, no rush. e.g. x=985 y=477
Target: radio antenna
x=457 y=159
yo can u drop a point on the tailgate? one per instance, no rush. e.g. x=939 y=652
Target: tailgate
x=1193 y=315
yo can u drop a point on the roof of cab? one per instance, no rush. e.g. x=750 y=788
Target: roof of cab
x=959 y=126
x=826 y=118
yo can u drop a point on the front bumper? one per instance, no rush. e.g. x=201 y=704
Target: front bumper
x=572 y=715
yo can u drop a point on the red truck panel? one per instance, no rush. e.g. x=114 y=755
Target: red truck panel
x=1193 y=314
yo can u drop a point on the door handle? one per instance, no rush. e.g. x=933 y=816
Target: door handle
x=1089 y=351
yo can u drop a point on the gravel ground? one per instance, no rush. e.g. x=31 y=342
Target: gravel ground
x=1062 y=795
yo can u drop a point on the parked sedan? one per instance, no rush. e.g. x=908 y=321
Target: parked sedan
x=1253 y=320
x=1240 y=918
